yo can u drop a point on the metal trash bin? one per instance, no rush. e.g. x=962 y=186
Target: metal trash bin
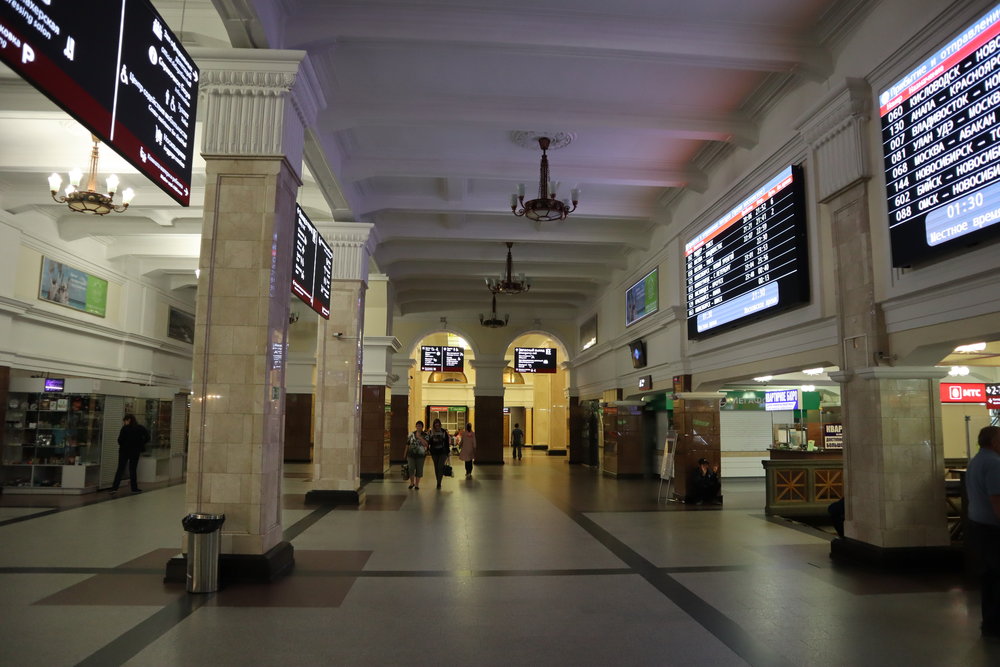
x=204 y=542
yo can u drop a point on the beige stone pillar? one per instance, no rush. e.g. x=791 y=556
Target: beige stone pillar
x=339 y=348
x=256 y=104
x=893 y=454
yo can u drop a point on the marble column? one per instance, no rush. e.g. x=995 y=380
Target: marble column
x=339 y=351
x=893 y=452
x=576 y=445
x=256 y=104
x=489 y=408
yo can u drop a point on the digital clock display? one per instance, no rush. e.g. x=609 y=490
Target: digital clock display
x=752 y=262
x=941 y=143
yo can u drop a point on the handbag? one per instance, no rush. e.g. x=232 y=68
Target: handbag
x=417 y=450
x=448 y=471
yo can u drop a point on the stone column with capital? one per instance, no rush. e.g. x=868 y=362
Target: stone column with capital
x=489 y=408
x=339 y=348
x=256 y=105
x=893 y=452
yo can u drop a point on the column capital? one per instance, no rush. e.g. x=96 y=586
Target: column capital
x=353 y=244
x=257 y=101
x=401 y=369
x=835 y=131
x=891 y=373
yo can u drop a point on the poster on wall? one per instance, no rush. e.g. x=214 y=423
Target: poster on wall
x=642 y=298
x=73 y=288
x=180 y=325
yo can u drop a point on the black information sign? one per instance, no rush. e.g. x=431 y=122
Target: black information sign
x=116 y=68
x=535 y=360
x=941 y=142
x=752 y=262
x=444 y=358
x=993 y=396
x=312 y=265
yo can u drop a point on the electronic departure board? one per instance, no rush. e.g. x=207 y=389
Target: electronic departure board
x=752 y=262
x=312 y=265
x=941 y=142
x=116 y=68
x=442 y=358
x=534 y=360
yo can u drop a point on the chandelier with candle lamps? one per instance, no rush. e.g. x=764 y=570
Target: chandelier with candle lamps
x=90 y=200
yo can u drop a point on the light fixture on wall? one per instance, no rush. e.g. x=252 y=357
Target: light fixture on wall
x=494 y=321
x=547 y=207
x=89 y=200
x=507 y=284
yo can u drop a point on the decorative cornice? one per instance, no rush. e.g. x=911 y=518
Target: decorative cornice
x=901 y=373
x=390 y=342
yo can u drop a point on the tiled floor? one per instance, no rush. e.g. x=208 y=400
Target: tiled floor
x=532 y=563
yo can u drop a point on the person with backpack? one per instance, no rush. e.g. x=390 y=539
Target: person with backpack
x=416 y=452
x=438 y=444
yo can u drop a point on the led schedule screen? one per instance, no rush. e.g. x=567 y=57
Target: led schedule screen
x=116 y=68
x=941 y=143
x=312 y=265
x=751 y=262
x=445 y=358
x=535 y=359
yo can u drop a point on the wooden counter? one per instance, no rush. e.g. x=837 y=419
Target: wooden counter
x=803 y=455
x=801 y=483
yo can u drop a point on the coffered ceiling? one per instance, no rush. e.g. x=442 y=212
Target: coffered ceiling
x=423 y=99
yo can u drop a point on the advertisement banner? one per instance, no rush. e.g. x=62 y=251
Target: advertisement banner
x=73 y=288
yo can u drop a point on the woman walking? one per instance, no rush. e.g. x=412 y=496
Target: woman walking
x=437 y=445
x=467 y=451
x=416 y=452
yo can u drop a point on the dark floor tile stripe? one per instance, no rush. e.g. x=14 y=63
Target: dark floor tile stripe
x=306 y=522
x=725 y=629
x=79 y=570
x=130 y=643
x=26 y=517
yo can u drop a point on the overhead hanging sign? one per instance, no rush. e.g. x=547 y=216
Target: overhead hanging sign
x=963 y=392
x=115 y=67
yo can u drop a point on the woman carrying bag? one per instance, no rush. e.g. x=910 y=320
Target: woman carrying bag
x=467 y=450
x=437 y=445
x=416 y=452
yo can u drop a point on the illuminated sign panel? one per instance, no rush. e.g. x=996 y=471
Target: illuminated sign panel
x=312 y=265
x=752 y=262
x=442 y=358
x=535 y=360
x=115 y=67
x=963 y=392
x=781 y=399
x=941 y=147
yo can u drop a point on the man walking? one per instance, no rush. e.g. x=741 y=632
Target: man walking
x=982 y=483
x=517 y=442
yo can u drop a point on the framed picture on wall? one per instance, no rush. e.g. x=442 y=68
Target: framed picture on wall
x=180 y=325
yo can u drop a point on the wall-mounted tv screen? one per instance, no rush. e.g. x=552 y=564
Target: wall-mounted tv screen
x=642 y=298
x=443 y=358
x=752 y=262
x=942 y=147
x=117 y=69
x=637 y=352
x=54 y=384
x=535 y=360
x=312 y=265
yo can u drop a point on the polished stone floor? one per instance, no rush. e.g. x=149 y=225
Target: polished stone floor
x=531 y=563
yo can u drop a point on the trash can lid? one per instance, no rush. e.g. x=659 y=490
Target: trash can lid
x=202 y=523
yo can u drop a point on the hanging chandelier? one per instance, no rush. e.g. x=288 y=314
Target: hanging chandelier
x=494 y=321
x=547 y=207
x=90 y=200
x=507 y=284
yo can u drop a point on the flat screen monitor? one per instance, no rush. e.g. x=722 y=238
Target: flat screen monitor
x=535 y=360
x=442 y=358
x=941 y=148
x=55 y=384
x=642 y=298
x=116 y=68
x=312 y=265
x=751 y=263
x=637 y=352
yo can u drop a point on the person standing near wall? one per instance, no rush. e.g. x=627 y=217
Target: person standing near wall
x=131 y=440
x=467 y=451
x=982 y=484
x=516 y=442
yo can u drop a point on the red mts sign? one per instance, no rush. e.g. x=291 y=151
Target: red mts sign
x=963 y=392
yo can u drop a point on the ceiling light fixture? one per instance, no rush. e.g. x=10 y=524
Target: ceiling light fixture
x=494 y=321
x=971 y=347
x=546 y=208
x=764 y=378
x=89 y=200
x=507 y=283
x=812 y=371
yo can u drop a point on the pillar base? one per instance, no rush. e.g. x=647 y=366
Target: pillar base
x=240 y=568
x=331 y=497
x=555 y=452
x=374 y=475
x=537 y=448
x=848 y=551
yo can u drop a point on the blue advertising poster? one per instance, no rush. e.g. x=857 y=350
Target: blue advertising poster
x=73 y=288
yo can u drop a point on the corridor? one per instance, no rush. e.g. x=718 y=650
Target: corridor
x=531 y=563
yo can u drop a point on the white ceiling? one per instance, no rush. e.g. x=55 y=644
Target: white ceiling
x=422 y=99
